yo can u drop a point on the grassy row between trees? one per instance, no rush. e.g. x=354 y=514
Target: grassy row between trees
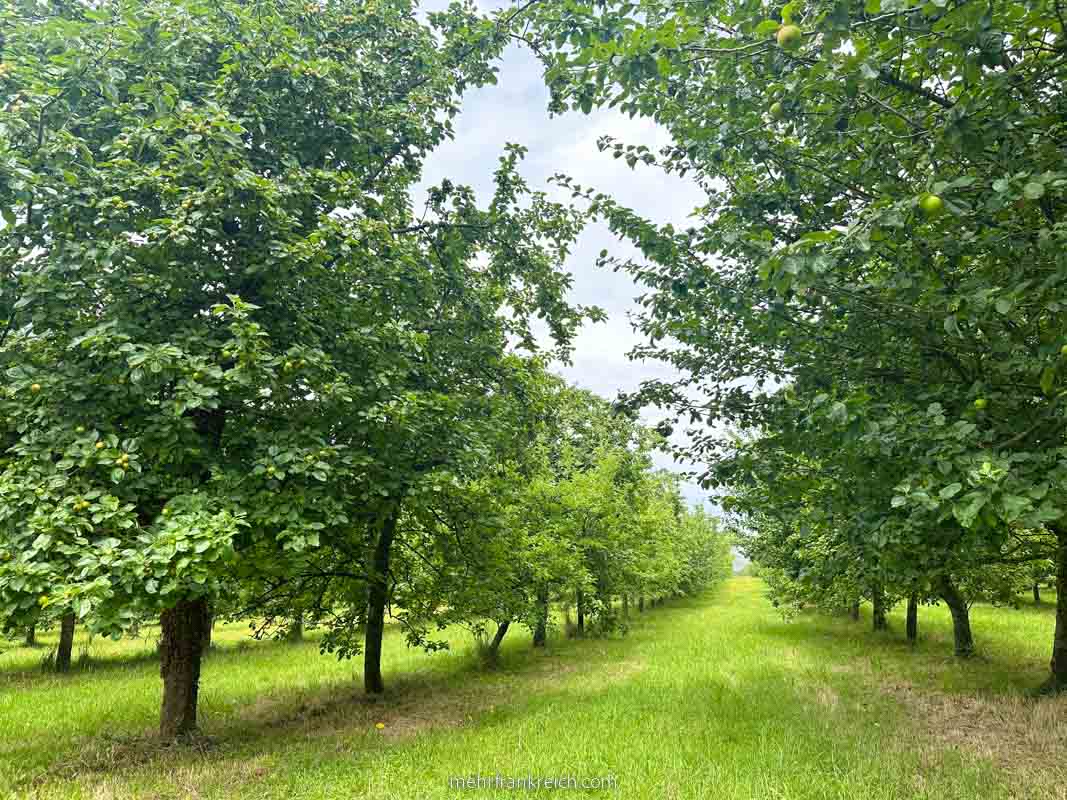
x=713 y=696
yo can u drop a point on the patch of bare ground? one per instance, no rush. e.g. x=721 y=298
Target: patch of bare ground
x=1026 y=737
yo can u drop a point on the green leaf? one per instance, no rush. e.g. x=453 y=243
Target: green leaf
x=1034 y=190
x=950 y=491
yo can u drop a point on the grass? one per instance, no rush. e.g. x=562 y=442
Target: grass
x=715 y=697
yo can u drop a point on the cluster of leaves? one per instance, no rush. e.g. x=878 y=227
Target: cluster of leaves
x=870 y=306
x=564 y=507
x=228 y=339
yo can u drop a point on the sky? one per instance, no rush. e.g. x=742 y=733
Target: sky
x=515 y=111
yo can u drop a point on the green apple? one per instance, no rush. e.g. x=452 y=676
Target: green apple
x=932 y=205
x=35 y=388
x=776 y=110
x=981 y=403
x=790 y=37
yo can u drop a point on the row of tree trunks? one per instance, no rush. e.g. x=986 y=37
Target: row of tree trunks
x=186 y=632
x=377 y=597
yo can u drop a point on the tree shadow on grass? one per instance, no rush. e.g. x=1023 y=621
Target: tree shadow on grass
x=427 y=699
x=996 y=668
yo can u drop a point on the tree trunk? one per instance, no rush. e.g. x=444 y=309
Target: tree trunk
x=878 y=619
x=540 y=634
x=296 y=629
x=854 y=612
x=494 y=645
x=209 y=628
x=181 y=647
x=31 y=636
x=913 y=618
x=66 y=643
x=1058 y=680
x=579 y=605
x=641 y=603
x=626 y=606
x=1037 y=593
x=377 y=597
x=961 y=618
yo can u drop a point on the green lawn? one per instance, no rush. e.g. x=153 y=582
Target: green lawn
x=710 y=698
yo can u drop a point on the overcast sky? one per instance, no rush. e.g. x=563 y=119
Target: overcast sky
x=515 y=111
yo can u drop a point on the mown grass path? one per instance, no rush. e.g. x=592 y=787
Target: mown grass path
x=716 y=697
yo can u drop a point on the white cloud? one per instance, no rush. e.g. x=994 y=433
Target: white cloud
x=515 y=111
